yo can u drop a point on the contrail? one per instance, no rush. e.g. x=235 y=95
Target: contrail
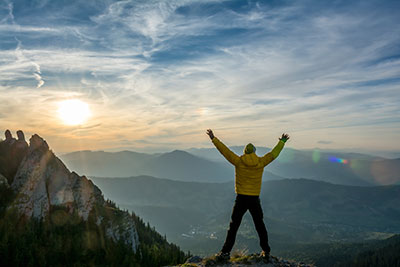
x=37 y=74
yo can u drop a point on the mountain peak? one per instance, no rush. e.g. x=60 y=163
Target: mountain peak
x=178 y=151
x=38 y=143
x=177 y=155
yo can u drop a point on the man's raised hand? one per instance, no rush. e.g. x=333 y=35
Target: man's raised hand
x=210 y=134
x=284 y=137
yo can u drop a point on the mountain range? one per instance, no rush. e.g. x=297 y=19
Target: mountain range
x=207 y=165
x=178 y=165
x=330 y=166
x=296 y=211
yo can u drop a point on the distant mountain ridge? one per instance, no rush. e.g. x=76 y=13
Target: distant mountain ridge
x=177 y=165
x=295 y=210
x=208 y=165
x=330 y=166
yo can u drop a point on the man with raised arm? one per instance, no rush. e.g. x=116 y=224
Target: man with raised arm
x=249 y=169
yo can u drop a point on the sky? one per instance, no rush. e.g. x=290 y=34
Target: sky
x=156 y=74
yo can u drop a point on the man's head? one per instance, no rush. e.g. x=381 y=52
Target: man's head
x=250 y=148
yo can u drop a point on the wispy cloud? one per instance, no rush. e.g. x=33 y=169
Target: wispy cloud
x=18 y=51
x=164 y=71
x=324 y=142
x=22 y=60
x=37 y=74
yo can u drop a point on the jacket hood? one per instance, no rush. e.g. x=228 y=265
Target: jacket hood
x=250 y=159
x=250 y=148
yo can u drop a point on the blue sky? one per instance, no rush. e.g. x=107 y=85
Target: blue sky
x=156 y=74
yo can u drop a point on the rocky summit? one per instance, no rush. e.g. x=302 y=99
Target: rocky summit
x=43 y=185
x=240 y=260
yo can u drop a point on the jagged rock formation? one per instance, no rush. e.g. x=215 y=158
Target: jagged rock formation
x=9 y=138
x=12 y=152
x=42 y=182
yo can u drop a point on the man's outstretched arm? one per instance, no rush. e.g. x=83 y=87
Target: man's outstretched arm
x=274 y=153
x=223 y=149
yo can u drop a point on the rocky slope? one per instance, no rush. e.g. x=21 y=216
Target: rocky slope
x=41 y=183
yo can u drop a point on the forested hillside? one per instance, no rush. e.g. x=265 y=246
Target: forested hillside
x=70 y=241
x=383 y=253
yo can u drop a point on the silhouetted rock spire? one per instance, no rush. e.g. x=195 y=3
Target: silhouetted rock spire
x=38 y=143
x=9 y=139
x=12 y=152
x=21 y=135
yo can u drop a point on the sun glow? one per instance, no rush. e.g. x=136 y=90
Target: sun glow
x=73 y=111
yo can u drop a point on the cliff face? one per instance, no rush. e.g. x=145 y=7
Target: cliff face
x=41 y=182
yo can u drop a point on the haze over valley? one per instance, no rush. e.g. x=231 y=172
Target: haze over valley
x=331 y=197
x=207 y=165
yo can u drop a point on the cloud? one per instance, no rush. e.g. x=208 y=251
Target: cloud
x=166 y=70
x=22 y=59
x=323 y=142
x=13 y=28
x=10 y=17
x=18 y=51
x=37 y=75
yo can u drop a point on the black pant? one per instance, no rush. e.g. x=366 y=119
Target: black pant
x=242 y=204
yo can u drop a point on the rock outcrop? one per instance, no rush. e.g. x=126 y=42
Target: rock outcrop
x=42 y=182
x=243 y=261
x=123 y=230
x=12 y=152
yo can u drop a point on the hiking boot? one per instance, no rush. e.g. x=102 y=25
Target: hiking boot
x=222 y=256
x=265 y=256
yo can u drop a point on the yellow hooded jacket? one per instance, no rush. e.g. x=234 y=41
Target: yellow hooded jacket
x=249 y=168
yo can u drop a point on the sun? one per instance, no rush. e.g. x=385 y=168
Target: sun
x=73 y=111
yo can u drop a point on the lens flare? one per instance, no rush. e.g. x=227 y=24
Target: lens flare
x=316 y=155
x=382 y=172
x=338 y=160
